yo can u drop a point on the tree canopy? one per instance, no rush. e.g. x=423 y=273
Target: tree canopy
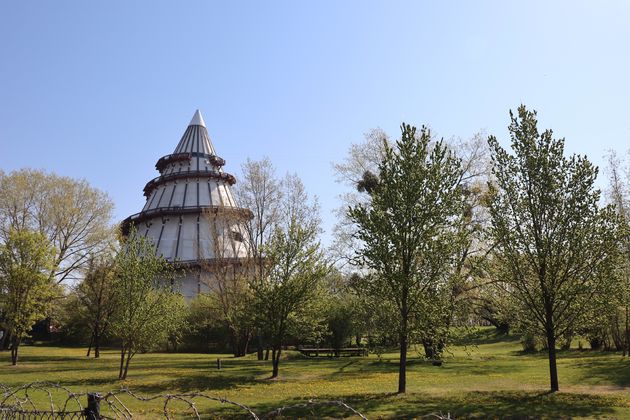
x=555 y=243
x=26 y=259
x=408 y=230
x=71 y=214
x=147 y=306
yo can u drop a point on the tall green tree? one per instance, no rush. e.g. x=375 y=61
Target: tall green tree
x=26 y=259
x=408 y=229
x=147 y=307
x=295 y=266
x=554 y=241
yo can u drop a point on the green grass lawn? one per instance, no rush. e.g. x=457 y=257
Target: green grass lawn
x=490 y=378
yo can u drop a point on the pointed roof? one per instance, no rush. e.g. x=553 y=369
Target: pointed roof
x=195 y=138
x=197 y=119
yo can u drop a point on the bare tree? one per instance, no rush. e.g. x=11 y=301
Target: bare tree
x=227 y=276
x=619 y=196
x=362 y=159
x=275 y=203
x=260 y=191
x=297 y=205
x=73 y=216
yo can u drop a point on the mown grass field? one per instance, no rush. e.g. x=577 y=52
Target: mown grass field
x=488 y=377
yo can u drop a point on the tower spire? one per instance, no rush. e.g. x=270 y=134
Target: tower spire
x=197 y=119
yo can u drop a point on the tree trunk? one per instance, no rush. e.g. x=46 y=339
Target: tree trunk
x=14 y=355
x=275 y=360
x=3 y=339
x=502 y=328
x=8 y=338
x=14 y=350
x=47 y=335
x=259 y=346
x=431 y=348
x=90 y=345
x=129 y=356
x=234 y=342
x=566 y=343
x=550 y=330
x=267 y=354
x=626 y=349
x=246 y=340
x=243 y=342
x=172 y=342
x=123 y=350
x=97 y=345
x=402 y=367
x=553 y=369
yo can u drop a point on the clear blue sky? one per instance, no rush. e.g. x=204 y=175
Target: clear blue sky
x=101 y=90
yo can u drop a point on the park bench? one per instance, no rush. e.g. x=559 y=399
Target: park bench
x=330 y=352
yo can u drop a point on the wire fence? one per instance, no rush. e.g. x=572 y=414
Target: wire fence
x=44 y=400
x=10 y=414
x=50 y=401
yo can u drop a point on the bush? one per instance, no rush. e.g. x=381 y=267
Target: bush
x=531 y=343
x=203 y=330
x=340 y=326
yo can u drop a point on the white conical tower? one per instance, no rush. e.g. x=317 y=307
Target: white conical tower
x=190 y=213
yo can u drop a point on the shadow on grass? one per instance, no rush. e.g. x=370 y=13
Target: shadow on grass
x=481 y=336
x=30 y=358
x=568 y=354
x=92 y=384
x=183 y=360
x=424 y=367
x=206 y=382
x=210 y=384
x=610 y=370
x=499 y=404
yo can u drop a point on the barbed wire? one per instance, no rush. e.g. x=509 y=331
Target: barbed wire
x=438 y=416
x=25 y=403
x=314 y=403
x=6 y=414
x=19 y=402
x=117 y=406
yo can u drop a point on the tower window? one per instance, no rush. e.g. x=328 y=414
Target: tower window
x=236 y=235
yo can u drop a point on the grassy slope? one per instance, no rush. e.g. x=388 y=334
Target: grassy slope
x=491 y=378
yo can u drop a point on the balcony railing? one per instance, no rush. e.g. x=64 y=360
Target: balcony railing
x=135 y=219
x=155 y=182
x=164 y=161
